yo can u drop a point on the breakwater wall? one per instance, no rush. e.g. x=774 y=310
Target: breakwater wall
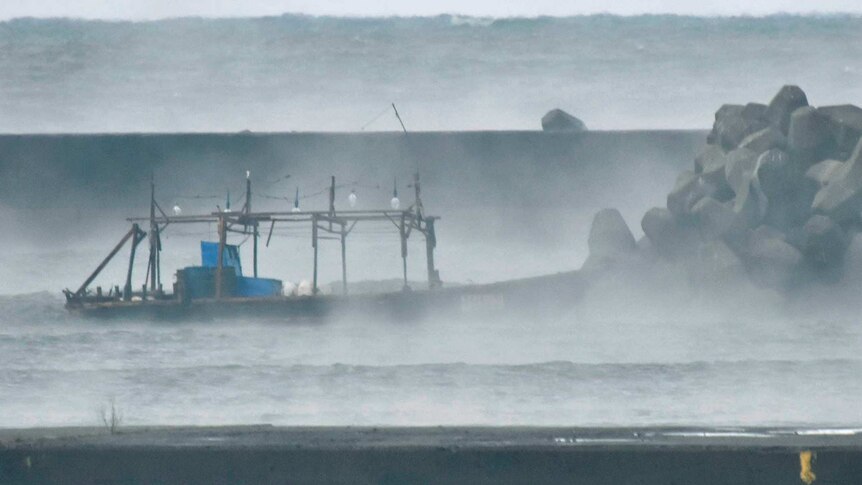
x=486 y=178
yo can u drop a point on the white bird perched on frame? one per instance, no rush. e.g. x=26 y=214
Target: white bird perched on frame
x=395 y=203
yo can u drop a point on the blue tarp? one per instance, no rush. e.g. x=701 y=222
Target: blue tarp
x=246 y=286
x=230 y=258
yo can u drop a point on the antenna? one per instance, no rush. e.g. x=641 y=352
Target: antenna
x=418 y=202
x=399 y=118
x=296 y=201
x=332 y=195
x=247 y=191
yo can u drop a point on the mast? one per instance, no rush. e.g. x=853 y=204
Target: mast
x=154 y=266
x=247 y=213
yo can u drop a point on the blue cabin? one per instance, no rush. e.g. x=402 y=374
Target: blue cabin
x=199 y=281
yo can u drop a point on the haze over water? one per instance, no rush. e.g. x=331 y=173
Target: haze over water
x=445 y=73
x=627 y=356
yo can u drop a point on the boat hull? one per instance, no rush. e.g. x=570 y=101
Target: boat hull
x=529 y=297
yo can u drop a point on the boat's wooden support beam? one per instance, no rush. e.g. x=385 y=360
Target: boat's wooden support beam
x=344 y=259
x=137 y=237
x=271 y=228
x=314 y=245
x=222 y=239
x=255 y=236
x=403 y=233
x=430 y=244
x=83 y=288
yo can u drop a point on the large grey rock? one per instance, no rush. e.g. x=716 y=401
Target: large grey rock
x=853 y=260
x=714 y=219
x=820 y=173
x=750 y=204
x=726 y=111
x=734 y=123
x=668 y=238
x=710 y=165
x=659 y=225
x=773 y=262
x=846 y=126
x=766 y=231
x=710 y=159
x=776 y=173
x=739 y=167
x=786 y=101
x=764 y=139
x=610 y=235
x=754 y=111
x=715 y=263
x=689 y=189
x=841 y=196
x=789 y=197
x=558 y=120
x=824 y=242
x=809 y=137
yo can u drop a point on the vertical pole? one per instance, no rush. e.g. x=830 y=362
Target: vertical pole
x=430 y=244
x=136 y=238
x=255 y=249
x=403 y=233
x=154 y=238
x=331 y=201
x=417 y=204
x=247 y=192
x=247 y=213
x=222 y=239
x=314 y=245
x=343 y=258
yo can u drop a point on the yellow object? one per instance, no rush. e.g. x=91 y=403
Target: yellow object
x=805 y=472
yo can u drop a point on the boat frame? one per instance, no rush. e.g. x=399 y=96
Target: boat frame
x=152 y=300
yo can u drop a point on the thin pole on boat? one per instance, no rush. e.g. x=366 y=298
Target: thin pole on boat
x=138 y=237
x=399 y=118
x=417 y=203
x=331 y=200
x=403 y=234
x=255 y=250
x=247 y=212
x=95 y=273
x=314 y=245
x=153 y=268
x=430 y=244
x=343 y=258
x=222 y=238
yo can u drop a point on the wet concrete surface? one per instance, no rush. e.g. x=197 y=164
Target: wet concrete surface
x=265 y=454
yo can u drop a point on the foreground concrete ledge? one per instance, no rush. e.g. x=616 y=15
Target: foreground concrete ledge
x=266 y=454
x=475 y=437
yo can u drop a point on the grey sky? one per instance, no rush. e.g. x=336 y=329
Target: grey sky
x=149 y=9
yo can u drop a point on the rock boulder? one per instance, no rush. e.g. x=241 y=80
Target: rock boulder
x=558 y=120
x=788 y=100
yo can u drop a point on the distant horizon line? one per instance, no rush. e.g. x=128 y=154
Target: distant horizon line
x=491 y=18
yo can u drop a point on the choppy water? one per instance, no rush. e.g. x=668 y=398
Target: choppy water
x=446 y=73
x=58 y=370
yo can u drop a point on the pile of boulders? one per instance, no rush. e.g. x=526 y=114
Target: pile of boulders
x=775 y=195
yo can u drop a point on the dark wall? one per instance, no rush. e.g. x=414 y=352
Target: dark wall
x=480 y=175
x=405 y=465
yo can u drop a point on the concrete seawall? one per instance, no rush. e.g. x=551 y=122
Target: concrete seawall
x=264 y=454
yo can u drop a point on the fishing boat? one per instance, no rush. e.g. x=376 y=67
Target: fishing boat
x=219 y=288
